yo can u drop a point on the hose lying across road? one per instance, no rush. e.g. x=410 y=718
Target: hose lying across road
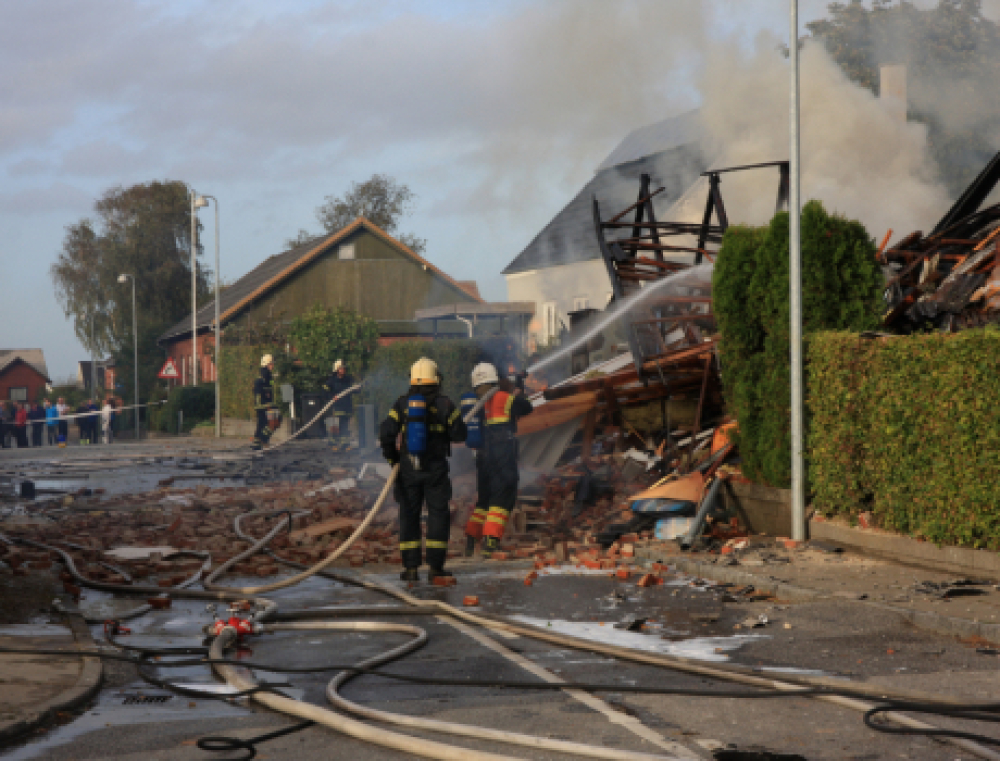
x=870 y=699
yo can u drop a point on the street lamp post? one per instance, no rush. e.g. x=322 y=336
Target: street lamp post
x=218 y=333
x=795 y=289
x=135 y=353
x=197 y=202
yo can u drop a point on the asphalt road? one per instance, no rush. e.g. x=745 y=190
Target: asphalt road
x=834 y=638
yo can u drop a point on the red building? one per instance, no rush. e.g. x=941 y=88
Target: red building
x=23 y=375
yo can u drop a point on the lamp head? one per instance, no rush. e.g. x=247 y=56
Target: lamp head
x=123 y=278
x=200 y=202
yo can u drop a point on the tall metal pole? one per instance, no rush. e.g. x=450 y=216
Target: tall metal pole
x=194 y=290
x=795 y=294
x=218 y=333
x=93 y=361
x=135 y=361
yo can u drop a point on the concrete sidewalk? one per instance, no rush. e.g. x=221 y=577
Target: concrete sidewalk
x=35 y=688
x=927 y=598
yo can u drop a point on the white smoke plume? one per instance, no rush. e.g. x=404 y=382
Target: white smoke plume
x=856 y=157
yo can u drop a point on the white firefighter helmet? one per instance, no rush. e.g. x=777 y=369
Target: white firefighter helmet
x=482 y=373
x=266 y=360
x=338 y=364
x=424 y=373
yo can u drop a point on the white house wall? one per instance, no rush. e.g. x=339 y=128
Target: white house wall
x=563 y=289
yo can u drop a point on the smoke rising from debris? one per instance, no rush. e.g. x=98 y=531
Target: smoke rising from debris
x=856 y=157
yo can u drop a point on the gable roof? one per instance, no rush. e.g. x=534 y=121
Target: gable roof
x=275 y=269
x=34 y=358
x=674 y=132
x=570 y=238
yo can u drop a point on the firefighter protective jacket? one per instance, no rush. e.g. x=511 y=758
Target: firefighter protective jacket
x=263 y=390
x=444 y=425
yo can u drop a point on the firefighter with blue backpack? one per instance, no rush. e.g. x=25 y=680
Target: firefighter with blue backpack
x=493 y=434
x=418 y=434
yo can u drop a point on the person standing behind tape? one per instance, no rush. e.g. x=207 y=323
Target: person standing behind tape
x=497 y=474
x=51 y=423
x=338 y=383
x=63 y=409
x=263 y=401
x=429 y=422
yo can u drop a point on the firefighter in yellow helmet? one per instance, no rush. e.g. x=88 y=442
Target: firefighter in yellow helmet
x=418 y=434
x=497 y=474
x=263 y=400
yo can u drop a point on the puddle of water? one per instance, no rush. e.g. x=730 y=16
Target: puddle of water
x=700 y=648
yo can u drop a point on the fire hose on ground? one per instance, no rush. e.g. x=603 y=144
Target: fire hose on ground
x=852 y=695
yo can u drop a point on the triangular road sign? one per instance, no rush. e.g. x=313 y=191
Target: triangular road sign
x=169 y=369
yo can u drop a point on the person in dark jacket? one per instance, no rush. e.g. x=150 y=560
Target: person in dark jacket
x=21 y=425
x=6 y=424
x=422 y=477
x=336 y=384
x=83 y=422
x=36 y=416
x=94 y=422
x=497 y=474
x=263 y=401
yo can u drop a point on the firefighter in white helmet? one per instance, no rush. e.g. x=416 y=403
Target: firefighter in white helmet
x=263 y=400
x=338 y=382
x=496 y=462
x=418 y=434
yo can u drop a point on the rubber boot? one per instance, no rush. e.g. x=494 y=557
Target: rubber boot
x=436 y=572
x=470 y=546
x=490 y=545
x=410 y=574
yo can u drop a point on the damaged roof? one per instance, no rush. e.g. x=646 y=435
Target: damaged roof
x=569 y=237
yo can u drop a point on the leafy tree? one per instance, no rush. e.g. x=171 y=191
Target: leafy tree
x=950 y=55
x=320 y=337
x=144 y=231
x=841 y=290
x=381 y=200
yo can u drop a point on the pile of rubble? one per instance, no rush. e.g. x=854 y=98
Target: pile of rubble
x=949 y=279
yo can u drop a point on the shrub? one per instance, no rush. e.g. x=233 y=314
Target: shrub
x=909 y=429
x=196 y=402
x=321 y=336
x=841 y=290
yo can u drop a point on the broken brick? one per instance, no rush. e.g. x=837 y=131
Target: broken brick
x=445 y=581
x=470 y=601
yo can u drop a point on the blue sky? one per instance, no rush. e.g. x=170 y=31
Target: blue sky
x=494 y=112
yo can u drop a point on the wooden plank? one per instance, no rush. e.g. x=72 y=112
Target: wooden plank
x=554 y=413
x=326 y=527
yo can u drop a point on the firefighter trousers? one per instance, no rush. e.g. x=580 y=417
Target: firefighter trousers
x=262 y=434
x=501 y=466
x=414 y=488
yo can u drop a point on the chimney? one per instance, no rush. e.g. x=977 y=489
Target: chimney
x=892 y=90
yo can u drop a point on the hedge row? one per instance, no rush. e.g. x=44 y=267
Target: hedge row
x=909 y=429
x=196 y=402
x=841 y=287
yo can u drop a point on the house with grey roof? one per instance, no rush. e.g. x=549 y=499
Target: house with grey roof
x=360 y=267
x=561 y=269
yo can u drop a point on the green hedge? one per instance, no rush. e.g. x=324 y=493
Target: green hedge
x=841 y=289
x=909 y=429
x=389 y=376
x=197 y=403
x=239 y=367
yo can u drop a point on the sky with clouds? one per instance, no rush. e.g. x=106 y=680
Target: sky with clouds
x=494 y=112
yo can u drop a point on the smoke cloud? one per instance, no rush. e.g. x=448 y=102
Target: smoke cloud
x=856 y=157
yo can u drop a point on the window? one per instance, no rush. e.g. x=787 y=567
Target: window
x=550 y=320
x=19 y=394
x=346 y=251
x=580 y=302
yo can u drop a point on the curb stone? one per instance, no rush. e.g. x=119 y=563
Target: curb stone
x=87 y=685
x=926 y=620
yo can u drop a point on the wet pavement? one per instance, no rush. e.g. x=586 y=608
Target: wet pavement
x=131 y=719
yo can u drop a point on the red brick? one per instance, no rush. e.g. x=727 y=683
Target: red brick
x=500 y=556
x=445 y=581
x=622 y=573
x=592 y=564
x=649 y=580
x=791 y=544
x=530 y=579
x=726 y=550
x=470 y=601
